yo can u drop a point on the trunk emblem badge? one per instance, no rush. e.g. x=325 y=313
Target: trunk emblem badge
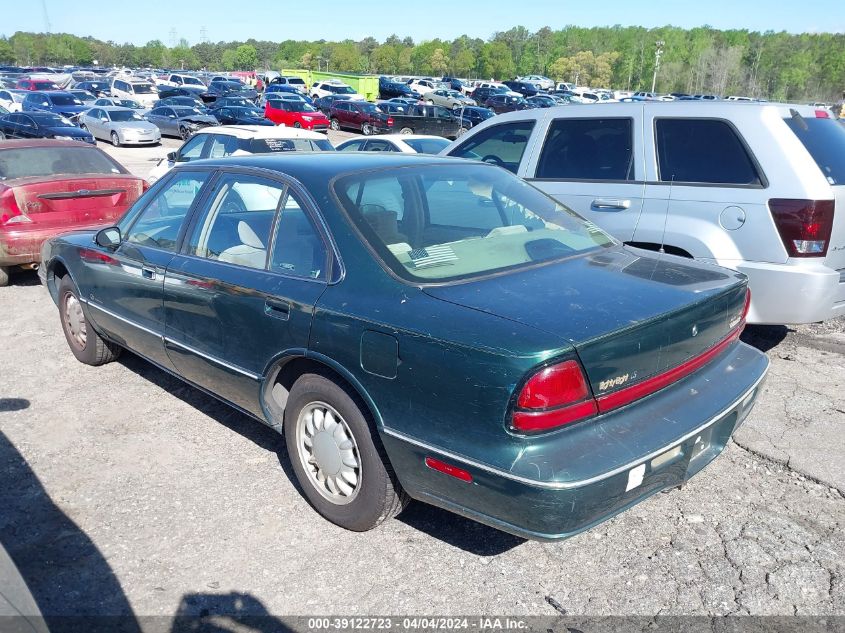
x=695 y=330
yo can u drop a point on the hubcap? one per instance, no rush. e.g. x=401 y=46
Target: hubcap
x=328 y=453
x=75 y=321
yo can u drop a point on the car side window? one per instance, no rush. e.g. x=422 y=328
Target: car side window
x=380 y=146
x=236 y=225
x=222 y=145
x=588 y=149
x=192 y=149
x=159 y=223
x=501 y=145
x=352 y=146
x=297 y=246
x=702 y=151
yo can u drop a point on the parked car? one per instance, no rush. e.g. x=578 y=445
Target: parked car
x=183 y=101
x=332 y=87
x=754 y=187
x=427 y=119
x=543 y=101
x=239 y=115
x=324 y=104
x=331 y=296
x=541 y=81
x=482 y=93
x=454 y=84
x=217 y=89
x=235 y=101
x=359 y=115
x=423 y=86
x=178 y=80
x=96 y=87
x=12 y=100
x=48 y=187
x=295 y=83
x=217 y=142
x=472 y=116
x=36 y=84
x=501 y=103
x=180 y=121
x=448 y=98
x=295 y=114
x=389 y=88
x=195 y=92
x=524 y=88
x=405 y=143
x=143 y=92
x=31 y=125
x=55 y=101
x=121 y=126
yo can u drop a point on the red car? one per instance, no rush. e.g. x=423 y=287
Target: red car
x=49 y=187
x=36 y=84
x=296 y=114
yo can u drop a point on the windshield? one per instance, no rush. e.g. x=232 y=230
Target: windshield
x=181 y=112
x=65 y=100
x=272 y=145
x=46 y=161
x=125 y=115
x=825 y=140
x=445 y=222
x=142 y=89
x=53 y=121
x=427 y=145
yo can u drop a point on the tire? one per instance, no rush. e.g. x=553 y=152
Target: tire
x=297 y=124
x=184 y=133
x=376 y=494
x=462 y=131
x=115 y=139
x=2 y=136
x=88 y=347
x=429 y=102
x=335 y=125
x=406 y=130
x=366 y=129
x=4 y=270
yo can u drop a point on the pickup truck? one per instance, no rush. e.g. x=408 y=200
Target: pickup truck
x=428 y=119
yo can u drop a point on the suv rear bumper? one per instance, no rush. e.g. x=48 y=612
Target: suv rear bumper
x=789 y=293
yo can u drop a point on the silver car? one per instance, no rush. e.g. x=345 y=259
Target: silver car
x=757 y=187
x=448 y=99
x=121 y=126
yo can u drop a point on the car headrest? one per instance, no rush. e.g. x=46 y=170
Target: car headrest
x=248 y=236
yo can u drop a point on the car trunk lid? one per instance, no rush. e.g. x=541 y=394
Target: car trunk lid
x=630 y=315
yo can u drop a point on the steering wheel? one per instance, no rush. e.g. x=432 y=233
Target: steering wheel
x=493 y=160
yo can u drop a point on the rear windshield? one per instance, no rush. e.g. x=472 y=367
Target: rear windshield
x=446 y=222
x=65 y=100
x=142 y=89
x=272 y=145
x=825 y=140
x=45 y=161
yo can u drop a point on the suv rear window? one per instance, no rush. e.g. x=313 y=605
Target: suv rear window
x=588 y=149
x=825 y=140
x=702 y=151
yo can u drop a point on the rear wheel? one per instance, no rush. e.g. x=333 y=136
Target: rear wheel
x=84 y=342
x=335 y=125
x=115 y=139
x=4 y=271
x=366 y=129
x=297 y=124
x=337 y=457
x=406 y=130
x=462 y=131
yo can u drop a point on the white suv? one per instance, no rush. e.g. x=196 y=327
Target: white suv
x=332 y=87
x=141 y=91
x=756 y=187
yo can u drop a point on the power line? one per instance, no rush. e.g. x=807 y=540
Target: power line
x=173 y=38
x=46 y=16
x=204 y=35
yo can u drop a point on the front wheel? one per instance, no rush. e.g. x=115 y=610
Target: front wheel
x=115 y=139
x=366 y=129
x=185 y=133
x=406 y=130
x=337 y=457
x=462 y=131
x=335 y=125
x=84 y=342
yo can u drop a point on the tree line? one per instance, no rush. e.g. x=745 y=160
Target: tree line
x=772 y=65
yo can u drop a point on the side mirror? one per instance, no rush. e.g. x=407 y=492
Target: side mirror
x=108 y=238
x=171 y=157
x=104 y=120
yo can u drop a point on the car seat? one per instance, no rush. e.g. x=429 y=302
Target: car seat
x=250 y=252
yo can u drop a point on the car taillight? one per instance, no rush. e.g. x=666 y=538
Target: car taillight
x=554 y=396
x=10 y=213
x=804 y=225
x=390 y=121
x=822 y=114
x=747 y=306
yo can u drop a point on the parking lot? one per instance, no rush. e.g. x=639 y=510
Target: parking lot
x=130 y=492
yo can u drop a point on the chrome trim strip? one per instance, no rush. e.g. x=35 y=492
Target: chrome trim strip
x=216 y=361
x=120 y=318
x=567 y=485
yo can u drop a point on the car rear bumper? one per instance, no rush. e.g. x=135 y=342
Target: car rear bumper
x=23 y=246
x=803 y=292
x=622 y=458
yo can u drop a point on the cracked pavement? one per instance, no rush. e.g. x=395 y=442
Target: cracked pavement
x=126 y=490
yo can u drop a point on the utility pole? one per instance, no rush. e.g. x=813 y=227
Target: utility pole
x=46 y=16
x=658 y=51
x=173 y=38
x=204 y=35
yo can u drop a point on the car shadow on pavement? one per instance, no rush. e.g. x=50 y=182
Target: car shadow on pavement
x=764 y=337
x=445 y=526
x=63 y=569
x=222 y=613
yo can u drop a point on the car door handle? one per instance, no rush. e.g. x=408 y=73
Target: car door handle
x=611 y=203
x=148 y=273
x=277 y=309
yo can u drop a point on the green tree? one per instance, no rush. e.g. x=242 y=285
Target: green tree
x=439 y=62
x=246 y=57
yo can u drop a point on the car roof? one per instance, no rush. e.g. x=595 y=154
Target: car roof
x=42 y=142
x=50 y=93
x=113 y=108
x=262 y=131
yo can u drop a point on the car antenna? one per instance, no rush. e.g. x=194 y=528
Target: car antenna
x=662 y=248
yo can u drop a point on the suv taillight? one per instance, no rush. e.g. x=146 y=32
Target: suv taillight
x=804 y=225
x=390 y=121
x=554 y=396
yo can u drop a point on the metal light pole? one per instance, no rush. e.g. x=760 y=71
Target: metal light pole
x=657 y=53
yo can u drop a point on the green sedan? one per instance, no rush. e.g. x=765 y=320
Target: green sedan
x=420 y=328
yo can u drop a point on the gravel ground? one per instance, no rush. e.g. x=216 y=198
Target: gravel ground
x=126 y=491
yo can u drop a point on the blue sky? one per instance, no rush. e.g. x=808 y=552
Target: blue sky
x=144 y=20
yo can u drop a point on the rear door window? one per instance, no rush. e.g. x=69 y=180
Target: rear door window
x=588 y=149
x=501 y=145
x=703 y=151
x=825 y=140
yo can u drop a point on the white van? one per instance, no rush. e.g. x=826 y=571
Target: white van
x=143 y=92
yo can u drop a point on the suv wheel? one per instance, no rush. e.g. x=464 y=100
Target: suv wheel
x=366 y=129
x=337 y=457
x=335 y=125
x=406 y=130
